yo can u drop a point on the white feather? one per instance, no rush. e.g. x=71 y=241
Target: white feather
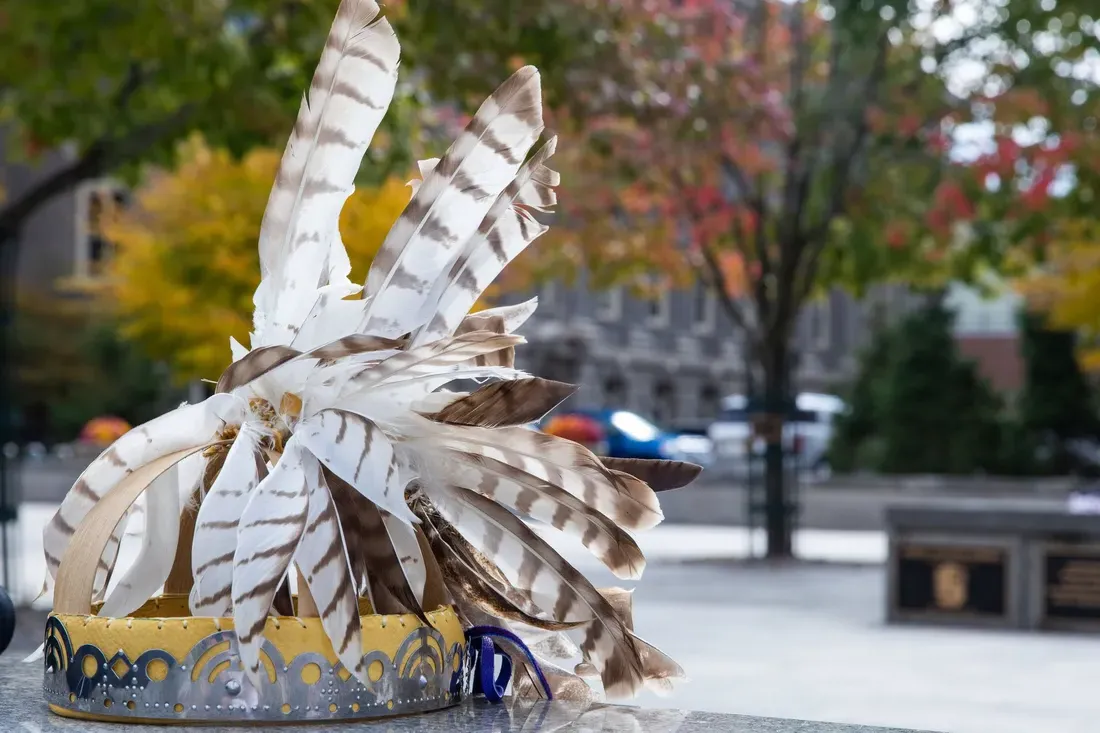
x=158 y=547
x=270 y=528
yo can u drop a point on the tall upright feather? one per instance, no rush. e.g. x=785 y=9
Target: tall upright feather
x=505 y=231
x=451 y=202
x=350 y=92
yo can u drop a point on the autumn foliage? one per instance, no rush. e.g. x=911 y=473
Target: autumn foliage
x=186 y=262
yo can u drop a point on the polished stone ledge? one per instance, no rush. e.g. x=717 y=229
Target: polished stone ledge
x=22 y=709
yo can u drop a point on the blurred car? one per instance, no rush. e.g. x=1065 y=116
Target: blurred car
x=807 y=431
x=629 y=435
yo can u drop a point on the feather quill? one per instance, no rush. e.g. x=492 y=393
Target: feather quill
x=450 y=203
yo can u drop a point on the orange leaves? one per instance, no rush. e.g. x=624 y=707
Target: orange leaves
x=186 y=262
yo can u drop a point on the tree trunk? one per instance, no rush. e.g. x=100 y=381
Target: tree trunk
x=775 y=360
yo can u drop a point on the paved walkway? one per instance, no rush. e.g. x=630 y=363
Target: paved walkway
x=664 y=543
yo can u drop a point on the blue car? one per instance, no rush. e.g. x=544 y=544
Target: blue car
x=629 y=435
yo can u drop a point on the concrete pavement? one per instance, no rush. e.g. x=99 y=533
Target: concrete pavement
x=665 y=543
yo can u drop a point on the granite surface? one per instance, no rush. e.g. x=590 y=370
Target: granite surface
x=978 y=517
x=22 y=709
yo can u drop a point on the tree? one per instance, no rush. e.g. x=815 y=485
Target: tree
x=778 y=149
x=1056 y=405
x=72 y=365
x=186 y=265
x=917 y=406
x=1065 y=286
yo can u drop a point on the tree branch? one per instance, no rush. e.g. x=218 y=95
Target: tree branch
x=816 y=239
x=98 y=158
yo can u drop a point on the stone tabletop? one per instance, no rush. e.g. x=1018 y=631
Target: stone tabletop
x=22 y=710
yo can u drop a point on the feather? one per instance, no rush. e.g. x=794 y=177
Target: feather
x=254 y=365
x=158 y=547
x=658 y=669
x=323 y=559
x=243 y=468
x=349 y=94
x=514 y=315
x=330 y=318
x=354 y=345
x=270 y=529
x=433 y=358
x=355 y=449
x=185 y=427
x=661 y=475
x=450 y=203
x=470 y=586
x=425 y=167
x=514 y=402
x=374 y=562
x=403 y=539
x=532 y=564
x=492 y=324
x=507 y=229
x=623 y=499
x=533 y=497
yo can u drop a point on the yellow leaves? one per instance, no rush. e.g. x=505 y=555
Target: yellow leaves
x=1067 y=287
x=186 y=261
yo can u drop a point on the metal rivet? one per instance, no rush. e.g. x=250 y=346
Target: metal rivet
x=423 y=682
x=183 y=667
x=207 y=707
x=233 y=687
x=194 y=707
x=267 y=707
x=219 y=707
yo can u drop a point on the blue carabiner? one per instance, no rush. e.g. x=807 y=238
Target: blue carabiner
x=486 y=680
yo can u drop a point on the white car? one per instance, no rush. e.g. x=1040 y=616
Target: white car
x=806 y=438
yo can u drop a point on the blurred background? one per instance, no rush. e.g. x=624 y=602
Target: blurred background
x=843 y=253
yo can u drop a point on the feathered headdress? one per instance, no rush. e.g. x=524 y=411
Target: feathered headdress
x=330 y=450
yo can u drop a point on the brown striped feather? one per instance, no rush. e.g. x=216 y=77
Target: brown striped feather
x=533 y=565
x=507 y=403
x=322 y=559
x=253 y=365
x=374 y=562
x=538 y=499
x=661 y=475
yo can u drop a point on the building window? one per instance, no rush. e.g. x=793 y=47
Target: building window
x=659 y=308
x=614 y=393
x=96 y=201
x=664 y=402
x=704 y=306
x=609 y=304
x=709 y=399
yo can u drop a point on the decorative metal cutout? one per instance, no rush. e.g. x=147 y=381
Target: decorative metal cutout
x=209 y=684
